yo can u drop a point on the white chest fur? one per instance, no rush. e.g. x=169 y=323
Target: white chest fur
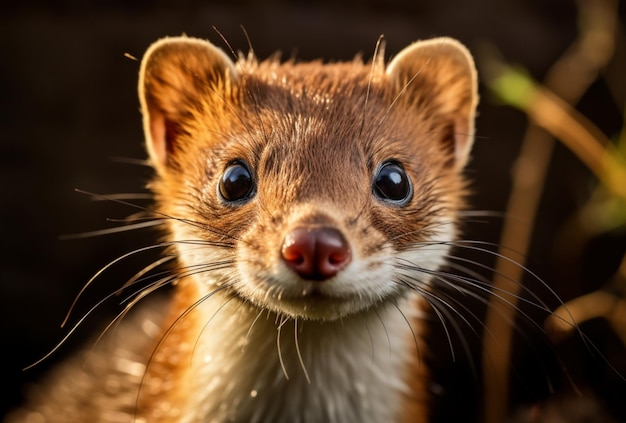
x=251 y=367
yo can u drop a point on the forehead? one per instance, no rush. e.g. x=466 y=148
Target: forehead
x=312 y=78
x=316 y=119
x=330 y=105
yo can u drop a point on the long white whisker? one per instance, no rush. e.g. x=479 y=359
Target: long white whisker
x=253 y=323
x=484 y=282
x=206 y=324
x=369 y=334
x=139 y=275
x=280 y=353
x=295 y=334
x=116 y=230
x=375 y=63
x=445 y=307
x=73 y=329
x=144 y=292
x=415 y=341
x=402 y=91
x=169 y=330
x=105 y=268
x=382 y=322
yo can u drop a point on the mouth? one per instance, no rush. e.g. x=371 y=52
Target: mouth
x=348 y=293
x=312 y=302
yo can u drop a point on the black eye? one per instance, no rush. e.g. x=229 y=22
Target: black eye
x=392 y=184
x=236 y=184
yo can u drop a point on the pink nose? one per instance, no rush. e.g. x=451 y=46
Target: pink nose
x=316 y=253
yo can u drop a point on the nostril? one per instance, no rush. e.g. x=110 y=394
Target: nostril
x=298 y=251
x=316 y=253
x=292 y=254
x=337 y=258
x=333 y=252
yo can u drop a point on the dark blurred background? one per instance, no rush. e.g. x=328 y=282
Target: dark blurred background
x=69 y=119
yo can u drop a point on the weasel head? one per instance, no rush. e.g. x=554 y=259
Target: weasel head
x=312 y=190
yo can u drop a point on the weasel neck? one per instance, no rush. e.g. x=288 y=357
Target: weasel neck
x=250 y=365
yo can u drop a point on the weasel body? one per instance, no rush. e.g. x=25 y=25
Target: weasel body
x=308 y=205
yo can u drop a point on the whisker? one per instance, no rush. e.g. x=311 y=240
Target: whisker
x=140 y=216
x=104 y=269
x=131 y=301
x=539 y=304
x=195 y=345
x=482 y=213
x=375 y=63
x=441 y=318
x=126 y=196
x=111 y=231
x=253 y=323
x=382 y=322
x=245 y=33
x=169 y=330
x=485 y=287
x=139 y=275
x=132 y=281
x=225 y=41
x=132 y=161
x=295 y=332
x=415 y=341
x=446 y=276
x=66 y=337
x=73 y=329
x=234 y=110
x=178 y=274
x=446 y=309
x=251 y=96
x=158 y=213
x=395 y=100
x=369 y=334
x=472 y=245
x=284 y=320
x=461 y=335
x=144 y=292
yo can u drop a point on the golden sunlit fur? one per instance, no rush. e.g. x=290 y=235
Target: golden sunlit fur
x=245 y=338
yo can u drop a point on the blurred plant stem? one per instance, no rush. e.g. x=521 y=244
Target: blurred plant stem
x=561 y=120
x=550 y=113
x=596 y=304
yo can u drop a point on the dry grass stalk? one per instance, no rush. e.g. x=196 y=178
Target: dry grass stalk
x=568 y=79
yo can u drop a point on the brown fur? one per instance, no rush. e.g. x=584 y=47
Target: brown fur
x=314 y=135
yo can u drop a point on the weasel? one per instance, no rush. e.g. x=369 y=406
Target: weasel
x=307 y=205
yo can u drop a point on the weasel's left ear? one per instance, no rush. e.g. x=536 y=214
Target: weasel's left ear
x=439 y=76
x=177 y=75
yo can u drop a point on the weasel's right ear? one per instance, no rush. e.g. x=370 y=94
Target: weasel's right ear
x=176 y=76
x=438 y=76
